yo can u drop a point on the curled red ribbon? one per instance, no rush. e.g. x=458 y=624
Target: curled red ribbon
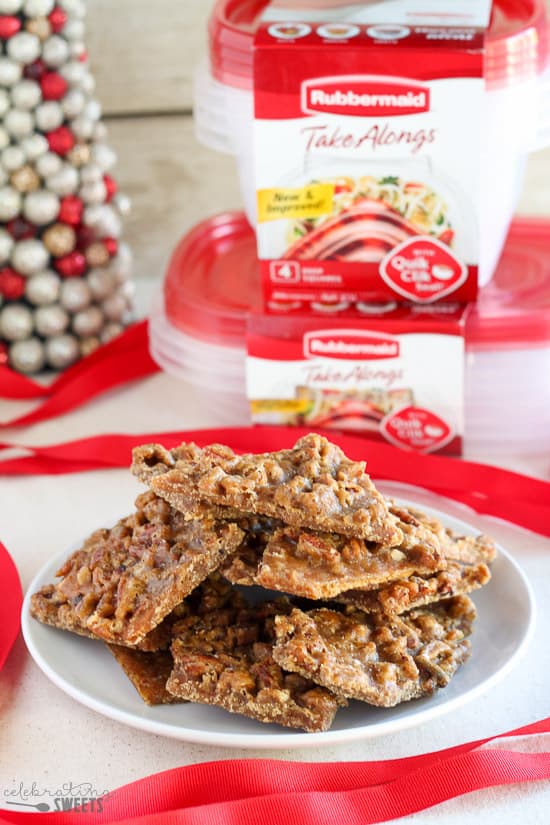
x=10 y=604
x=125 y=358
x=246 y=792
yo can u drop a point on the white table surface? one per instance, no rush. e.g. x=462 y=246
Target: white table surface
x=48 y=738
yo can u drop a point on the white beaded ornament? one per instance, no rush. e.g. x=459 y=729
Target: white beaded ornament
x=4 y=138
x=38 y=8
x=10 y=202
x=65 y=181
x=12 y=158
x=24 y=47
x=16 y=322
x=41 y=207
x=6 y=246
x=73 y=103
x=48 y=164
x=49 y=115
x=62 y=351
x=27 y=356
x=30 y=256
x=10 y=6
x=51 y=320
x=26 y=94
x=4 y=102
x=55 y=51
x=10 y=71
x=19 y=123
x=34 y=146
x=43 y=288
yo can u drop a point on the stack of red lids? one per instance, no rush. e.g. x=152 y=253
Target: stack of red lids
x=213 y=281
x=517 y=41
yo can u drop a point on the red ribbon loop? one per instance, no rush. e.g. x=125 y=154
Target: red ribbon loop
x=123 y=359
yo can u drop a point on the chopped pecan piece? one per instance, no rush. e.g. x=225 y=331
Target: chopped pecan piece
x=311 y=485
x=379 y=659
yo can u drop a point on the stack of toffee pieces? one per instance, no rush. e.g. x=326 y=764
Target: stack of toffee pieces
x=374 y=606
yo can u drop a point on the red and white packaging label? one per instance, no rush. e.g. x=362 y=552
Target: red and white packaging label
x=368 y=137
x=399 y=378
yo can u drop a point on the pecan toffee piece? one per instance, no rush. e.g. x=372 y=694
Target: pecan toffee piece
x=381 y=660
x=225 y=659
x=152 y=460
x=322 y=565
x=312 y=485
x=125 y=581
x=466 y=570
x=468 y=549
x=147 y=672
x=51 y=607
x=416 y=591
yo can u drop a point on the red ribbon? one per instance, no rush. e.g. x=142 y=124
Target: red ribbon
x=485 y=489
x=246 y=792
x=10 y=604
x=123 y=359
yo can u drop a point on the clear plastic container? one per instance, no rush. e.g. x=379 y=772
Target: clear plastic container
x=510 y=126
x=198 y=332
x=518 y=106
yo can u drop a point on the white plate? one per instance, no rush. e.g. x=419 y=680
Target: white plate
x=86 y=671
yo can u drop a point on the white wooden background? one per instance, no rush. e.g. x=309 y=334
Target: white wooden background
x=143 y=56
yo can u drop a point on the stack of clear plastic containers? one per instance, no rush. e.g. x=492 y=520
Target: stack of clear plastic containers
x=199 y=324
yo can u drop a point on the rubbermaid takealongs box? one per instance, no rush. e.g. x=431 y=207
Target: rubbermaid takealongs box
x=368 y=144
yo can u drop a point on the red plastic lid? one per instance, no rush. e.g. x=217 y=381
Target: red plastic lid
x=518 y=29
x=513 y=310
x=213 y=280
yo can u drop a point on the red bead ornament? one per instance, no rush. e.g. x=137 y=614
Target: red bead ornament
x=110 y=186
x=57 y=18
x=85 y=236
x=4 y=353
x=83 y=57
x=72 y=265
x=61 y=140
x=9 y=26
x=111 y=245
x=21 y=229
x=34 y=71
x=70 y=210
x=12 y=284
x=53 y=86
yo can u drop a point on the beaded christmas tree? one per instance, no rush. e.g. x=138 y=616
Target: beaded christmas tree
x=64 y=274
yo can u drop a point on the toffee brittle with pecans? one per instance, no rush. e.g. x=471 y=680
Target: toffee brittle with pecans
x=312 y=485
x=148 y=672
x=124 y=581
x=225 y=658
x=466 y=569
x=323 y=565
x=379 y=659
x=389 y=618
